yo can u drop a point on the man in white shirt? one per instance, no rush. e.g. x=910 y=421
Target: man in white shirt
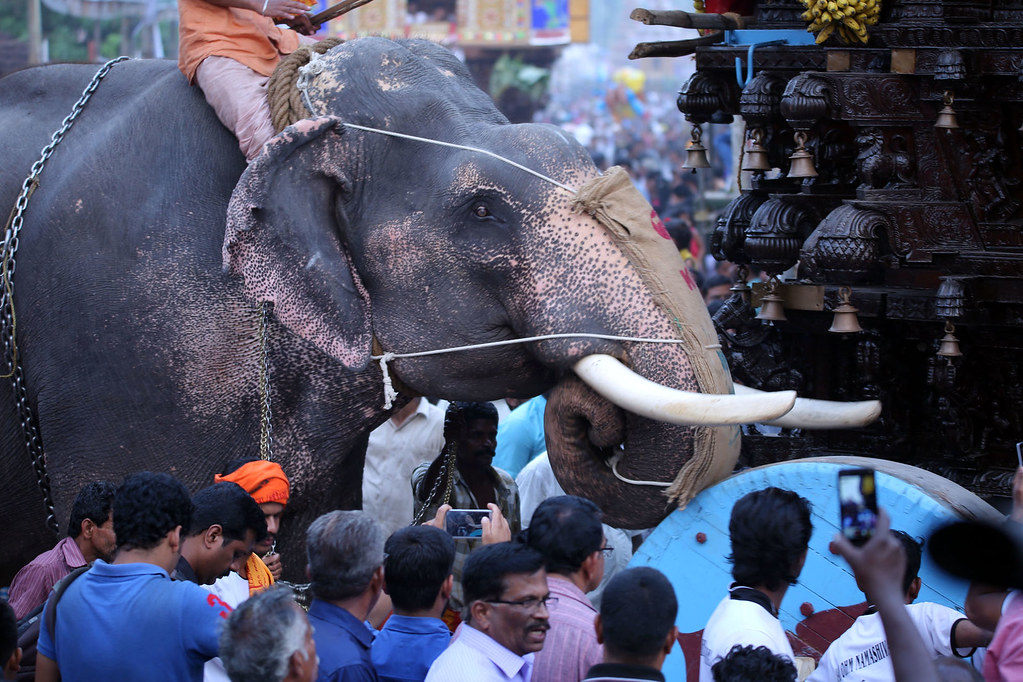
x=505 y=617
x=769 y=531
x=412 y=435
x=862 y=653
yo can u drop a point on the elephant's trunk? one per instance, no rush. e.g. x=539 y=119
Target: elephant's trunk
x=584 y=432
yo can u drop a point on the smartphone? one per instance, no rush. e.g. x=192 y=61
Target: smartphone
x=465 y=524
x=857 y=499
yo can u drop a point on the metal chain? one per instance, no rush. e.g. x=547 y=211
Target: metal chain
x=8 y=265
x=446 y=473
x=266 y=432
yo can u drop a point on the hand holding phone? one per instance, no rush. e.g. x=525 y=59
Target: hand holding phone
x=465 y=524
x=857 y=499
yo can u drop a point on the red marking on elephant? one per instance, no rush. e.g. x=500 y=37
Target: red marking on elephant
x=688 y=278
x=813 y=636
x=658 y=224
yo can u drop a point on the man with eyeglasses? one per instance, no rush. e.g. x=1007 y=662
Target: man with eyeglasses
x=567 y=531
x=505 y=617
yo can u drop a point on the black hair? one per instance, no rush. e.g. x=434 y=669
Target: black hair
x=147 y=506
x=914 y=552
x=714 y=281
x=468 y=411
x=417 y=561
x=680 y=233
x=565 y=530
x=227 y=505
x=8 y=632
x=94 y=501
x=769 y=530
x=637 y=611
x=485 y=569
x=749 y=664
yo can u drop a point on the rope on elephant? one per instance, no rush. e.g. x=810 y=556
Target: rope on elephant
x=284 y=98
x=288 y=94
x=390 y=394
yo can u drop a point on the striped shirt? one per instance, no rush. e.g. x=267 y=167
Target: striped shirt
x=571 y=647
x=33 y=583
x=476 y=656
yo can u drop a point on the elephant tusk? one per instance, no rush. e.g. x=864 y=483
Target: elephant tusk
x=821 y=414
x=629 y=391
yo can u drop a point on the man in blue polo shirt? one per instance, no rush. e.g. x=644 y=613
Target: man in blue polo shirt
x=346 y=573
x=128 y=620
x=417 y=576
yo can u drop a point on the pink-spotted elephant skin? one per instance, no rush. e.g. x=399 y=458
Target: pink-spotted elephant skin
x=137 y=321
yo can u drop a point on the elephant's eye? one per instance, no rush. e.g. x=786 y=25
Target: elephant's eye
x=481 y=211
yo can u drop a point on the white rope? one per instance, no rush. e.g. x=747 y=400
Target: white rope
x=390 y=394
x=614 y=470
x=528 y=339
x=491 y=154
x=309 y=72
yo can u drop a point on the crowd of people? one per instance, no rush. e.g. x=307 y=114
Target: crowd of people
x=153 y=583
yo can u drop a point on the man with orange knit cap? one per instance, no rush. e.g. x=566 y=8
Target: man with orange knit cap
x=269 y=487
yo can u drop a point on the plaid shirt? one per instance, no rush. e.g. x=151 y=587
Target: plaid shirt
x=505 y=492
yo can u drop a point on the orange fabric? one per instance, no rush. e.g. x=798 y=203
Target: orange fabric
x=451 y=618
x=265 y=481
x=258 y=574
x=241 y=34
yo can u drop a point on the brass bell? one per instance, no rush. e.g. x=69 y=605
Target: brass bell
x=742 y=289
x=802 y=160
x=771 y=308
x=755 y=158
x=696 y=153
x=845 y=320
x=947 y=115
x=949 y=347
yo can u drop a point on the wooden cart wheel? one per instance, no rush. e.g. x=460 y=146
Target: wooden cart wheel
x=690 y=547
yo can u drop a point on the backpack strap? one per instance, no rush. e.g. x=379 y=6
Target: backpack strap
x=50 y=611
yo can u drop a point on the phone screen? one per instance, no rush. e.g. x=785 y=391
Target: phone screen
x=465 y=524
x=857 y=497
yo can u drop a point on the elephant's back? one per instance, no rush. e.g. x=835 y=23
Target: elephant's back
x=142 y=116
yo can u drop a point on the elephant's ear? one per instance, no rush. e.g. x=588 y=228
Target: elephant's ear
x=284 y=240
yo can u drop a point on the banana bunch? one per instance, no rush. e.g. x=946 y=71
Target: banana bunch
x=848 y=18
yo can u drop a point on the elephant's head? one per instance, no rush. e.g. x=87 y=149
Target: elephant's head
x=356 y=235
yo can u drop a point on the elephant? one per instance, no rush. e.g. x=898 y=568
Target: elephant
x=175 y=307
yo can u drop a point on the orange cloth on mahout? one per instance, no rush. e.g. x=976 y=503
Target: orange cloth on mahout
x=243 y=35
x=264 y=480
x=258 y=574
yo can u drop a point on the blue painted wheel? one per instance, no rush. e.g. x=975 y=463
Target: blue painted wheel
x=690 y=547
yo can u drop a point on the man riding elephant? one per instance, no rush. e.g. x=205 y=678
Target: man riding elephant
x=230 y=48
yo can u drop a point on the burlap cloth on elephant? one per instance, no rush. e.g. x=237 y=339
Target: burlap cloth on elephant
x=614 y=201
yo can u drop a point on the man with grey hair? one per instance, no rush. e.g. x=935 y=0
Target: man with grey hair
x=346 y=557
x=268 y=639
